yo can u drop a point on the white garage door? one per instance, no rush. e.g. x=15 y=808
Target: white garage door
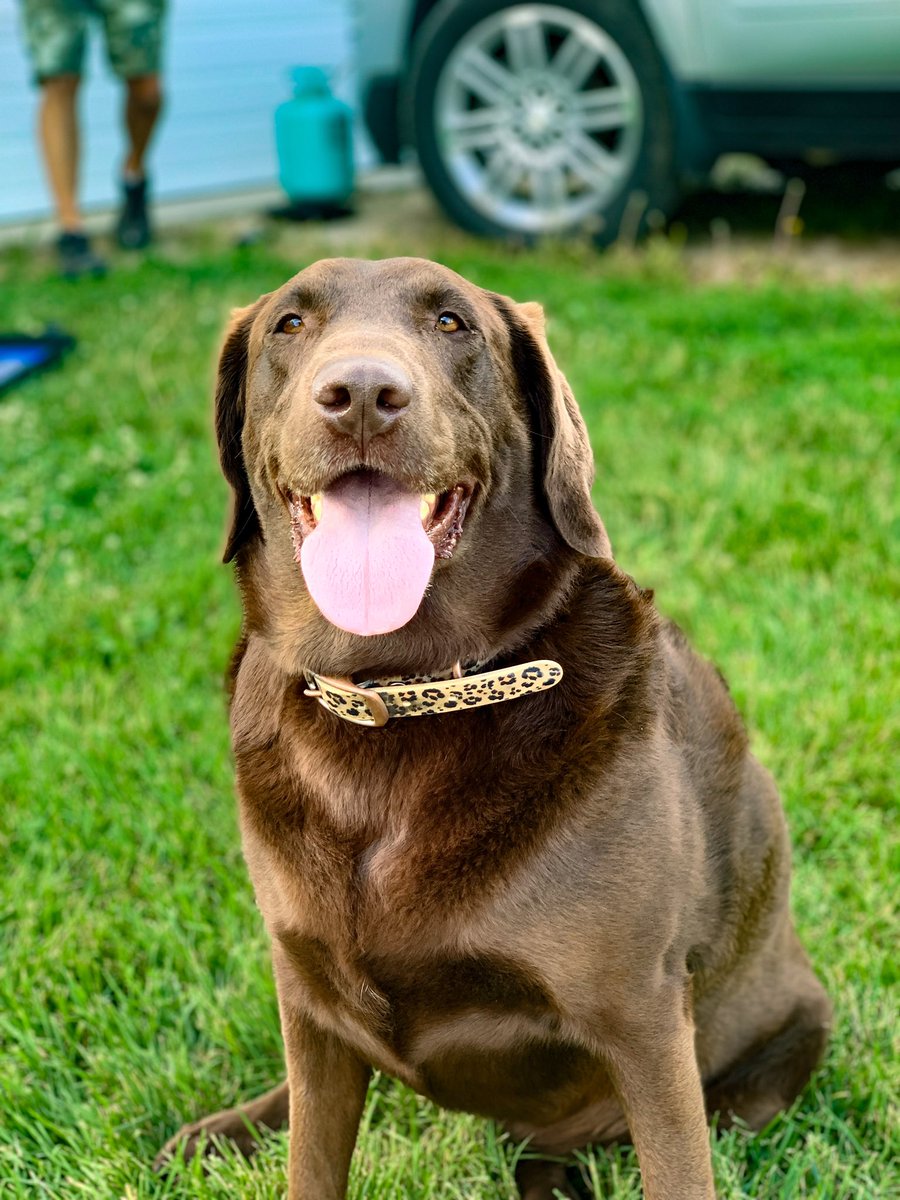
x=225 y=71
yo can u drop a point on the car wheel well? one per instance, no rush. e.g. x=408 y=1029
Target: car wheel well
x=422 y=8
x=420 y=11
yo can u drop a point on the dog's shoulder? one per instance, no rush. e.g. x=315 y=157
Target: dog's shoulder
x=698 y=699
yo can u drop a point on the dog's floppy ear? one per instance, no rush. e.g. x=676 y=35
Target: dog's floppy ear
x=563 y=458
x=230 y=402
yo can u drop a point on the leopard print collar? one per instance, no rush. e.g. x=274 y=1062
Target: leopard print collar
x=376 y=701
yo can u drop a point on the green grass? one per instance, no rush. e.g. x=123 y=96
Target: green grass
x=743 y=442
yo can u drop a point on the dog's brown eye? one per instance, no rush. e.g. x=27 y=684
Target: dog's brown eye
x=291 y=324
x=449 y=322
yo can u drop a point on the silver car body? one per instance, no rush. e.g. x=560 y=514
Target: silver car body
x=524 y=144
x=741 y=43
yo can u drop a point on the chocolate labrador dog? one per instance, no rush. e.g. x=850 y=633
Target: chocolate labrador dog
x=503 y=824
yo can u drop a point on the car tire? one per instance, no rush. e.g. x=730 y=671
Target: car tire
x=537 y=119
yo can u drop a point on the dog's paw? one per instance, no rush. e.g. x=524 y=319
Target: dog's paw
x=539 y=1179
x=208 y=1138
x=241 y=1129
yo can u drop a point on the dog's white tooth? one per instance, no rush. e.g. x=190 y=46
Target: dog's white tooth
x=429 y=499
x=315 y=504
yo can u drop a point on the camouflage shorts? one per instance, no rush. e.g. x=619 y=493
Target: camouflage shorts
x=56 y=33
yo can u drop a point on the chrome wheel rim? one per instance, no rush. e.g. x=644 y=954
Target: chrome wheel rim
x=538 y=118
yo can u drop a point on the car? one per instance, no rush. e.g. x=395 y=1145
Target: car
x=533 y=119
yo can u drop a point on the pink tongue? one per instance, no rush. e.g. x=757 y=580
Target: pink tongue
x=368 y=560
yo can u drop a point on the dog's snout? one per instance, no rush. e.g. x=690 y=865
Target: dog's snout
x=362 y=397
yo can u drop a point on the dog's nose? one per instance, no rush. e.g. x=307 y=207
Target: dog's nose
x=362 y=396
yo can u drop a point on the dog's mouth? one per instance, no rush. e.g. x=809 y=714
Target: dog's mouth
x=366 y=545
x=442 y=515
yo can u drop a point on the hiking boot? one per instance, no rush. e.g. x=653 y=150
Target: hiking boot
x=133 y=229
x=77 y=257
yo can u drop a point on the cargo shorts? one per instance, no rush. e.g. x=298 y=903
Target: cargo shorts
x=56 y=35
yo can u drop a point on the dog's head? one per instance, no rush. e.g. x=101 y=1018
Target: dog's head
x=403 y=452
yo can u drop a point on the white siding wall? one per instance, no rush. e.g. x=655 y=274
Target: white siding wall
x=225 y=70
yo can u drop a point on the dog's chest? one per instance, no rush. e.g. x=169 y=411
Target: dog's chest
x=412 y=986
x=374 y=886
x=366 y=946
x=475 y=1031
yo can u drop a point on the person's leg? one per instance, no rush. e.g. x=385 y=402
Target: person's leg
x=143 y=102
x=58 y=126
x=134 y=43
x=142 y=106
x=55 y=37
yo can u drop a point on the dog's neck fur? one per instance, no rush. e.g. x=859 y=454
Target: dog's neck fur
x=596 y=656
x=468 y=615
x=300 y=767
x=513 y=608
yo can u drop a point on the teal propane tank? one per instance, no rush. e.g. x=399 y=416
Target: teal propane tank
x=314 y=139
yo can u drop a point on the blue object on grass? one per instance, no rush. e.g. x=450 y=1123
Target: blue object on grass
x=21 y=355
x=314 y=139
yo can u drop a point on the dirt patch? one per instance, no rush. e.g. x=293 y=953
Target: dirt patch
x=838 y=229
x=826 y=260
x=718 y=238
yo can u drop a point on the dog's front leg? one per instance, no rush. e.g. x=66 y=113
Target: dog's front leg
x=328 y=1089
x=654 y=1067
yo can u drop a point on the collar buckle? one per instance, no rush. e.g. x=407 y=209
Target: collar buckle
x=375 y=706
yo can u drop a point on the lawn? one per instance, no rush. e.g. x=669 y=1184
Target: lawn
x=743 y=443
